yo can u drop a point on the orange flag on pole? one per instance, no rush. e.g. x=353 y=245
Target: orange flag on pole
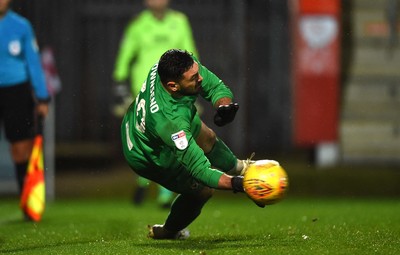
x=33 y=193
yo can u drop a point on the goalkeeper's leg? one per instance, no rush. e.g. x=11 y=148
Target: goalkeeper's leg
x=186 y=208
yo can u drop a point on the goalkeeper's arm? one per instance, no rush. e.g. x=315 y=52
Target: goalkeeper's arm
x=234 y=183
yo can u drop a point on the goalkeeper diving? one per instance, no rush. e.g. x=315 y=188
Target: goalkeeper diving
x=165 y=140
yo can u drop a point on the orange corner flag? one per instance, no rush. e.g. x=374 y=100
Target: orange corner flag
x=33 y=193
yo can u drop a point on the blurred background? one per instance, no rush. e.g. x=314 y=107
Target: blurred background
x=317 y=81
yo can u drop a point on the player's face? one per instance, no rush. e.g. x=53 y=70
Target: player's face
x=191 y=81
x=157 y=5
x=4 y=6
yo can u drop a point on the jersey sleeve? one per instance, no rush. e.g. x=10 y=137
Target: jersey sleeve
x=126 y=52
x=213 y=87
x=35 y=70
x=180 y=140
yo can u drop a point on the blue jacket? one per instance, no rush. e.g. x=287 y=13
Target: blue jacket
x=19 y=55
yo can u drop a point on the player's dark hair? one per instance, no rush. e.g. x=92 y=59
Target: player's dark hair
x=173 y=63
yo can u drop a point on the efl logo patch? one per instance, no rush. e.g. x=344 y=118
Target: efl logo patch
x=180 y=140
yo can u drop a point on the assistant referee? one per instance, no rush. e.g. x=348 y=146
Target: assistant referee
x=23 y=91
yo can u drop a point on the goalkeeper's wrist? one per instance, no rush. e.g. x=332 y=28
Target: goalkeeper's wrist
x=222 y=101
x=237 y=184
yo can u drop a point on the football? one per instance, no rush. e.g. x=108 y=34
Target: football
x=266 y=182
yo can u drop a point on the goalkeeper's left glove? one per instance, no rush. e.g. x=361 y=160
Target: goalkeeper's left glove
x=225 y=114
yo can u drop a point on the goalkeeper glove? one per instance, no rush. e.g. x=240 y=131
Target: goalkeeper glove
x=259 y=204
x=225 y=114
x=237 y=183
x=122 y=99
x=237 y=186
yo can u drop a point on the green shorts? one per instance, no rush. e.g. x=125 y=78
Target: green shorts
x=180 y=181
x=173 y=174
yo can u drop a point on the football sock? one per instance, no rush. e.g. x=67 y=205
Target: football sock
x=21 y=169
x=222 y=157
x=184 y=210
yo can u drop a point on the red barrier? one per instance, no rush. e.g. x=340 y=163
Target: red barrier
x=316 y=71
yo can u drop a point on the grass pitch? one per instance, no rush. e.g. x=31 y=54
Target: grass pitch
x=229 y=224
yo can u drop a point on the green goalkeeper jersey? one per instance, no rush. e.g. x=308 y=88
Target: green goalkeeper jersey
x=158 y=132
x=145 y=39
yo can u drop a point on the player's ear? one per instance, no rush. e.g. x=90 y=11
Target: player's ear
x=173 y=86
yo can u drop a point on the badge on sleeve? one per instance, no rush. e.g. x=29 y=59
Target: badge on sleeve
x=14 y=47
x=180 y=140
x=35 y=45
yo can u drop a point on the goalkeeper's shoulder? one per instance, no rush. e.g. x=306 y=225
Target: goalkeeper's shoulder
x=177 y=15
x=139 y=19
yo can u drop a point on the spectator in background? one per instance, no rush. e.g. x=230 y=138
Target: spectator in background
x=20 y=75
x=146 y=38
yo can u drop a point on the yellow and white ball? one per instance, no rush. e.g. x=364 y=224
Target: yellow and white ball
x=266 y=182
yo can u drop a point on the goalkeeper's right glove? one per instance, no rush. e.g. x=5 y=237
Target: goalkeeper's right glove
x=258 y=204
x=237 y=186
x=122 y=99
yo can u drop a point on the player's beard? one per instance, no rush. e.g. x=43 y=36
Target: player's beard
x=192 y=91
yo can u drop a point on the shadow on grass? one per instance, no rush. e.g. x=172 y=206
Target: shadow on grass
x=200 y=243
x=203 y=243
